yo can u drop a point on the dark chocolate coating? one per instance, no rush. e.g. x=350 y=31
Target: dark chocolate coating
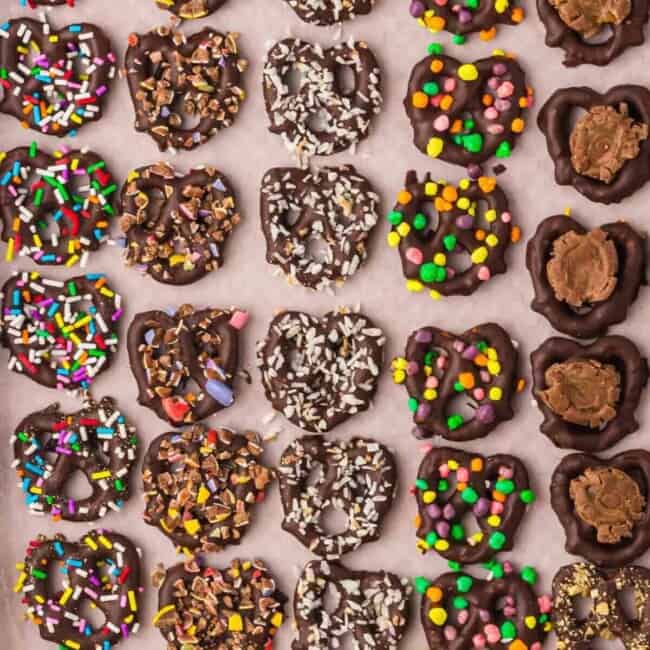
x=193 y=358
x=14 y=97
x=632 y=260
x=483 y=596
x=431 y=416
x=614 y=350
x=431 y=240
x=607 y=619
x=330 y=12
x=176 y=470
x=483 y=483
x=190 y=9
x=371 y=604
x=93 y=553
x=467 y=103
x=95 y=440
x=321 y=91
x=334 y=205
x=318 y=372
x=581 y=536
x=356 y=477
x=191 y=215
x=165 y=91
x=577 y=51
x=554 y=120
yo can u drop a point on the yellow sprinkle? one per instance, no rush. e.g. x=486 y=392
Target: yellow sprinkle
x=400 y=362
x=452 y=464
x=468 y=72
x=20 y=582
x=105 y=542
x=500 y=6
x=393 y=239
x=435 y=147
x=403 y=229
x=133 y=603
x=91 y=543
x=162 y=612
x=495 y=393
x=567 y=212
x=440 y=259
x=479 y=255
x=65 y=596
x=276 y=619
x=98 y=476
x=430 y=394
x=177 y=259
x=490 y=215
x=9 y=255
x=463 y=203
x=414 y=285
x=430 y=188
x=72 y=644
x=235 y=623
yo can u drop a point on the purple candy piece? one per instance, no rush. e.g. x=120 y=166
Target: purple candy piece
x=442 y=528
x=464 y=16
x=423 y=412
x=484 y=615
x=481 y=507
x=499 y=69
x=417 y=8
x=449 y=512
x=474 y=171
x=464 y=222
x=470 y=352
x=433 y=511
x=485 y=414
x=412 y=368
x=502 y=105
x=423 y=336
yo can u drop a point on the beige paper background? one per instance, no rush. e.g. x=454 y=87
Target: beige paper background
x=244 y=152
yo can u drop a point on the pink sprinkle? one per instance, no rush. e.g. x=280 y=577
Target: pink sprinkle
x=441 y=123
x=239 y=319
x=431 y=382
x=506 y=472
x=491 y=113
x=492 y=633
x=505 y=89
x=479 y=394
x=478 y=640
x=506 y=217
x=443 y=470
x=449 y=85
x=414 y=255
x=496 y=508
x=462 y=474
x=545 y=604
x=484 y=274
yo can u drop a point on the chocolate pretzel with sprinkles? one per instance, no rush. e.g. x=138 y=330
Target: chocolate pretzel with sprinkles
x=480 y=364
x=607 y=618
x=319 y=372
x=176 y=226
x=201 y=484
x=64 y=86
x=32 y=4
x=169 y=351
x=102 y=570
x=190 y=9
x=60 y=333
x=330 y=12
x=294 y=109
x=462 y=612
x=176 y=80
x=465 y=113
x=335 y=206
x=72 y=193
x=97 y=440
x=357 y=477
x=452 y=484
x=370 y=606
x=428 y=245
x=203 y=607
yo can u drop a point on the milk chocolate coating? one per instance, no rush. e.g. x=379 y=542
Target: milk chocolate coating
x=330 y=12
x=165 y=214
x=577 y=50
x=175 y=78
x=370 y=604
x=321 y=92
x=607 y=619
x=190 y=9
x=452 y=508
x=554 y=121
x=630 y=276
x=616 y=351
x=356 y=477
x=582 y=538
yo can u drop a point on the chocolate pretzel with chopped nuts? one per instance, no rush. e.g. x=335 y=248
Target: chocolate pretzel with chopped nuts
x=585 y=281
x=588 y=394
x=176 y=226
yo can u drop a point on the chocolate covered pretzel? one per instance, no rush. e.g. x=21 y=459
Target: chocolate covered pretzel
x=435 y=223
x=461 y=612
x=574 y=24
x=50 y=446
x=201 y=484
x=101 y=570
x=607 y=619
x=330 y=12
x=585 y=281
x=479 y=365
x=356 y=477
x=603 y=506
x=177 y=225
x=204 y=607
x=334 y=206
x=453 y=484
x=32 y=4
x=60 y=333
x=184 y=88
x=318 y=372
x=364 y=605
x=604 y=155
x=465 y=113
x=184 y=362
x=190 y=9
x=55 y=209
x=319 y=114
x=588 y=394
x=54 y=81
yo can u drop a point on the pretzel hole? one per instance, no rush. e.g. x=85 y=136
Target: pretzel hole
x=582 y=608
x=93 y=616
x=631 y=603
x=460 y=404
x=319 y=251
x=77 y=486
x=331 y=598
x=292 y=215
x=293 y=80
x=316 y=475
x=459 y=260
x=345 y=642
x=433 y=220
x=345 y=79
x=603 y=36
x=606 y=644
x=57 y=580
x=318 y=122
x=151 y=201
x=184 y=115
x=470 y=525
x=334 y=521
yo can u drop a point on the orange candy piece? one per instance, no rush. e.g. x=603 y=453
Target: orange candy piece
x=420 y=100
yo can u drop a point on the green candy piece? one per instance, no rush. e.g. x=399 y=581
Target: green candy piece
x=482 y=346
x=458 y=39
x=413 y=404
x=421 y=584
x=471 y=4
x=395 y=217
x=473 y=142
x=454 y=566
x=468 y=125
x=497 y=540
x=508 y=631
x=434 y=48
x=495 y=568
x=503 y=150
x=431 y=88
x=429 y=272
x=458 y=532
x=419 y=221
x=457 y=139
x=450 y=242
x=460 y=602
x=443 y=485
x=431 y=538
x=505 y=486
x=464 y=584
x=527 y=496
x=529 y=575
x=429 y=358
x=455 y=421
x=469 y=495
x=421 y=484
x=458 y=387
